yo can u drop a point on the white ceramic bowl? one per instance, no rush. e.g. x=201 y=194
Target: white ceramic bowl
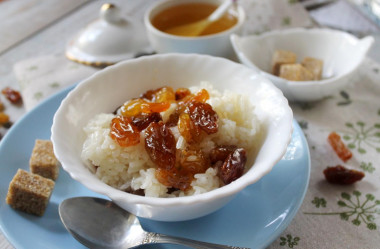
x=109 y=88
x=341 y=53
x=216 y=44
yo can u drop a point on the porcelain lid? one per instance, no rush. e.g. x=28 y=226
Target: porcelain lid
x=108 y=40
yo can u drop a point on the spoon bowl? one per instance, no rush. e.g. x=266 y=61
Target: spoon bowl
x=99 y=223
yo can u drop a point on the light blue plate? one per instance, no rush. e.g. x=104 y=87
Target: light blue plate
x=255 y=218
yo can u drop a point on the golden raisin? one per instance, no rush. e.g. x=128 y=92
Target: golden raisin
x=4 y=118
x=136 y=106
x=340 y=149
x=186 y=127
x=193 y=161
x=2 y=107
x=342 y=175
x=160 y=145
x=163 y=94
x=124 y=132
x=201 y=96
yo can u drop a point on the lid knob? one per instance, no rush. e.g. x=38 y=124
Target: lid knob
x=111 y=13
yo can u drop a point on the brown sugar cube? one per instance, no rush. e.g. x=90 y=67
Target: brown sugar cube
x=43 y=161
x=313 y=65
x=281 y=57
x=29 y=193
x=295 y=72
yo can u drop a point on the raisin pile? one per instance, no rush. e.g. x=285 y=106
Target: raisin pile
x=195 y=120
x=339 y=174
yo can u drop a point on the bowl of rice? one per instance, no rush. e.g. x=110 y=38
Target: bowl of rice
x=172 y=137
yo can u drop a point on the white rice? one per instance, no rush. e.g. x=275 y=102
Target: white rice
x=129 y=168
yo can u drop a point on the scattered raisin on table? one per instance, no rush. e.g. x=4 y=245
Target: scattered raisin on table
x=12 y=95
x=342 y=175
x=160 y=145
x=340 y=149
x=233 y=167
x=124 y=132
x=4 y=118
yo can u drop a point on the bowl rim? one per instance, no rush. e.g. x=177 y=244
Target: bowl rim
x=148 y=24
x=221 y=192
x=306 y=31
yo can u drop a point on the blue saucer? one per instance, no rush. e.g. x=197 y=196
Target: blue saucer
x=255 y=218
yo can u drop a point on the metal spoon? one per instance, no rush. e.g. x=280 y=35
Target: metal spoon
x=99 y=223
x=196 y=28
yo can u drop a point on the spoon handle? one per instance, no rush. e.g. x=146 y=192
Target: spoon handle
x=156 y=238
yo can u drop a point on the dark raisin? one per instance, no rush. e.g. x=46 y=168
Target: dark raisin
x=174 y=178
x=233 y=166
x=220 y=153
x=142 y=120
x=139 y=191
x=180 y=93
x=173 y=119
x=160 y=145
x=203 y=116
x=12 y=95
x=341 y=175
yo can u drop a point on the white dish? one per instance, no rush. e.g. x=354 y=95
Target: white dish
x=108 y=40
x=107 y=90
x=341 y=53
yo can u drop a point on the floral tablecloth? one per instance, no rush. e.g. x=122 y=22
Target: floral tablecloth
x=331 y=216
x=338 y=216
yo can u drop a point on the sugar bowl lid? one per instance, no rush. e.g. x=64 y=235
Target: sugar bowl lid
x=108 y=40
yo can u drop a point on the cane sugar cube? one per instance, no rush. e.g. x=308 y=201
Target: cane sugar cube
x=43 y=161
x=295 y=72
x=281 y=57
x=29 y=192
x=313 y=65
